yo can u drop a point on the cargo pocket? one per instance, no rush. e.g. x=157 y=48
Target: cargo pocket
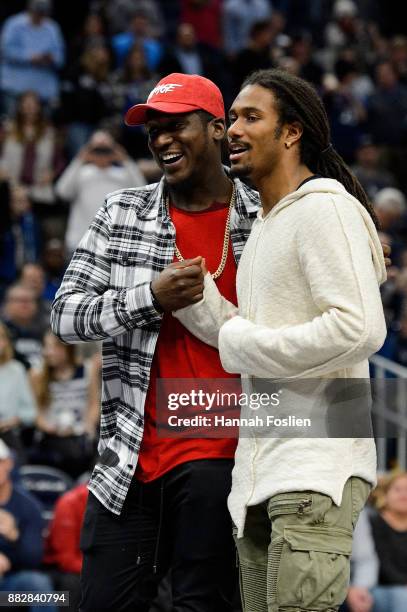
x=252 y=582
x=309 y=568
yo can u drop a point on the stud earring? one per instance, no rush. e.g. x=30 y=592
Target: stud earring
x=287 y=146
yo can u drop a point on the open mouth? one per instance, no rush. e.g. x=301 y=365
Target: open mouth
x=236 y=152
x=171 y=158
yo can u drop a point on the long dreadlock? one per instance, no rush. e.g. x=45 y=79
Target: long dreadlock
x=297 y=100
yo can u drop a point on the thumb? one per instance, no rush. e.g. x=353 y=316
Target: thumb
x=189 y=262
x=203 y=266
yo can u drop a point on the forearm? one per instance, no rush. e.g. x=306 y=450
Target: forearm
x=205 y=318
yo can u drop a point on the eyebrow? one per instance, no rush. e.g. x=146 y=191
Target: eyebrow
x=247 y=109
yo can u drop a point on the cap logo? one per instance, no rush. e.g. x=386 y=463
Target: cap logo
x=163 y=89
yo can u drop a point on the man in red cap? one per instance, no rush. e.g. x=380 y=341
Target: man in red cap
x=157 y=503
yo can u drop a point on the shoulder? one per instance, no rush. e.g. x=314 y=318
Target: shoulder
x=136 y=197
x=26 y=502
x=16 y=20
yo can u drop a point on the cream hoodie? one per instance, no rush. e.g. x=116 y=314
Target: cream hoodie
x=309 y=307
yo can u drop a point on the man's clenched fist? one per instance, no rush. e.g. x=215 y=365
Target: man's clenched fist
x=179 y=285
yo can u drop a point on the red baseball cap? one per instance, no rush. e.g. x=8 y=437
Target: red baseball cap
x=179 y=93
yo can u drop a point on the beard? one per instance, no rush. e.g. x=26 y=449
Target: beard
x=242 y=171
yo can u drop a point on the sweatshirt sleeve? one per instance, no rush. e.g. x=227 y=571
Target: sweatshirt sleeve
x=205 y=318
x=67 y=185
x=334 y=249
x=364 y=561
x=85 y=308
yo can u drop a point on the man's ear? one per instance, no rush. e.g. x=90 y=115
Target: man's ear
x=293 y=133
x=217 y=129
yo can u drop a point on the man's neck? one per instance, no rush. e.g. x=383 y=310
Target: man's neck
x=282 y=180
x=217 y=188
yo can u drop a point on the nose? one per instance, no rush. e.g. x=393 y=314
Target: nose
x=162 y=139
x=235 y=129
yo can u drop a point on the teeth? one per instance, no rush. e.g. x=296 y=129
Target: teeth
x=169 y=156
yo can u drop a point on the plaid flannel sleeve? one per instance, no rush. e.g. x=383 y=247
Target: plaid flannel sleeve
x=85 y=308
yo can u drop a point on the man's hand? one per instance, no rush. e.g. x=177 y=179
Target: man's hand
x=386 y=253
x=8 y=526
x=179 y=285
x=5 y=564
x=359 y=599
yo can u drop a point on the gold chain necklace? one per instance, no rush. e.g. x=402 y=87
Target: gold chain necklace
x=226 y=237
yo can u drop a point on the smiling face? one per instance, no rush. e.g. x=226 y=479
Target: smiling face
x=255 y=136
x=183 y=145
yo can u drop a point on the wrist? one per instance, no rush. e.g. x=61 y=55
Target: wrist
x=156 y=303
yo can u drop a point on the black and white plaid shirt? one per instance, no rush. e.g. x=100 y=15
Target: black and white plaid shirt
x=105 y=295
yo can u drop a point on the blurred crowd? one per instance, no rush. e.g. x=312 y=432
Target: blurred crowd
x=67 y=78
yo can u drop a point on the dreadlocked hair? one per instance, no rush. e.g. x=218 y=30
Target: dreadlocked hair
x=297 y=100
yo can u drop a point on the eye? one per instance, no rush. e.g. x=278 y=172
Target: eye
x=152 y=133
x=179 y=125
x=251 y=118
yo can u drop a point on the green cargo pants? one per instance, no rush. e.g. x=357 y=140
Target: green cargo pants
x=295 y=552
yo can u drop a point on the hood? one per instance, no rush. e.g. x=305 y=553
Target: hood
x=333 y=187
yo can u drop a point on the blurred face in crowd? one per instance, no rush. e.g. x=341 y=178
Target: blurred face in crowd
x=186 y=36
x=183 y=145
x=396 y=498
x=54 y=256
x=386 y=77
x=102 y=146
x=368 y=156
x=33 y=277
x=20 y=305
x=96 y=62
x=30 y=106
x=55 y=352
x=136 y=62
x=93 y=25
x=19 y=202
x=140 y=26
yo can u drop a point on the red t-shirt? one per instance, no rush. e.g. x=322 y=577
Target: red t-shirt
x=179 y=354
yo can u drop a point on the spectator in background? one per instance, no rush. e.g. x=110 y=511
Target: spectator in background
x=348 y=31
x=120 y=12
x=33 y=276
x=238 y=18
x=387 y=107
x=255 y=55
x=379 y=556
x=189 y=56
x=17 y=404
x=139 y=31
x=53 y=260
x=88 y=98
x=32 y=153
x=19 y=234
x=398 y=57
x=93 y=33
x=390 y=206
x=21 y=546
x=301 y=50
x=20 y=314
x=67 y=394
x=32 y=51
x=134 y=82
x=347 y=115
x=62 y=546
x=101 y=167
x=369 y=169
x=205 y=16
